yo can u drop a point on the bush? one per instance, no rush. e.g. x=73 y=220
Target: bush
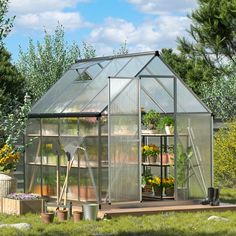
x=225 y=156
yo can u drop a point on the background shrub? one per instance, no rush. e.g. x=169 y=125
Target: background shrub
x=225 y=156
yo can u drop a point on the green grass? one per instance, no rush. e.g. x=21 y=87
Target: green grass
x=172 y=224
x=228 y=195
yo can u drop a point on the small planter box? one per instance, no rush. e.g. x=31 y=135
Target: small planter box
x=19 y=207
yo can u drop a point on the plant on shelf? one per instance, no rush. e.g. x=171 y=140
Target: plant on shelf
x=167 y=123
x=150 y=152
x=151 y=119
x=156 y=185
x=168 y=184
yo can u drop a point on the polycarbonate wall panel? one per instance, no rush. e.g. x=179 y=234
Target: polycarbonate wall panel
x=69 y=126
x=157 y=93
x=33 y=127
x=96 y=85
x=98 y=103
x=50 y=127
x=134 y=66
x=194 y=140
x=187 y=100
x=158 y=67
x=124 y=142
x=42 y=106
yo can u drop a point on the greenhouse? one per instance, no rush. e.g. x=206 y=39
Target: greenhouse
x=89 y=135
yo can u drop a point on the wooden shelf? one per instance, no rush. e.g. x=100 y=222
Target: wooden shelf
x=155 y=164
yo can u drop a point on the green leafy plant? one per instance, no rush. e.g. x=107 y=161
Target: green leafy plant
x=225 y=156
x=151 y=119
x=166 y=121
x=182 y=162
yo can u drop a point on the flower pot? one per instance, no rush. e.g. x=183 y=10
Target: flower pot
x=169 y=191
x=157 y=191
x=152 y=159
x=165 y=158
x=47 y=217
x=62 y=215
x=77 y=216
x=7 y=184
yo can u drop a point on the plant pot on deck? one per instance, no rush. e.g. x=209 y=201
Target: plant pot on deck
x=47 y=217
x=62 y=215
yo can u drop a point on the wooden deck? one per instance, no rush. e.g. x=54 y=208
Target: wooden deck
x=151 y=208
x=164 y=209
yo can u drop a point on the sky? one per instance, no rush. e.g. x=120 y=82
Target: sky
x=145 y=25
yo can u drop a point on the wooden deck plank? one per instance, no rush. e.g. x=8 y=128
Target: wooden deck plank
x=163 y=209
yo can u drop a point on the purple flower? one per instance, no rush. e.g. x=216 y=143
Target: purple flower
x=23 y=196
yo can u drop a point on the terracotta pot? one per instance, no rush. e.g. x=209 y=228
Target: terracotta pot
x=87 y=193
x=165 y=158
x=47 y=190
x=77 y=216
x=47 y=217
x=62 y=215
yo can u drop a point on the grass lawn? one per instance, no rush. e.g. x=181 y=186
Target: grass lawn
x=172 y=224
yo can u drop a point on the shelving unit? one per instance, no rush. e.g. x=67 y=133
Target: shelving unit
x=163 y=140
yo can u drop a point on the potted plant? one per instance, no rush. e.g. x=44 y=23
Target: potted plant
x=156 y=185
x=167 y=124
x=182 y=162
x=150 y=153
x=151 y=119
x=145 y=181
x=168 y=184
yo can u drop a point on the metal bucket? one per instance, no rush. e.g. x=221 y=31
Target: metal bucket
x=90 y=211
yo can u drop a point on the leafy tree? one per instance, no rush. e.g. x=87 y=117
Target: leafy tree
x=220 y=97
x=122 y=50
x=213 y=33
x=42 y=65
x=5 y=22
x=225 y=156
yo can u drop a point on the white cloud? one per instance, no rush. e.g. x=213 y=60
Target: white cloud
x=47 y=13
x=160 y=7
x=69 y=20
x=150 y=35
x=37 y=6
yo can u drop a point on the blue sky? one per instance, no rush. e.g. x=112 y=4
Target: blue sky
x=106 y=24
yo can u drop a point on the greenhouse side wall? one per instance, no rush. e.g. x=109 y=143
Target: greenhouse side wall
x=194 y=155
x=47 y=155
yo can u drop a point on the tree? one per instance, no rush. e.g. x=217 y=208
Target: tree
x=42 y=65
x=11 y=83
x=213 y=33
x=5 y=23
x=122 y=50
x=221 y=97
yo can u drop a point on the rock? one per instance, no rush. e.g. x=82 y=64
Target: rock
x=217 y=218
x=23 y=226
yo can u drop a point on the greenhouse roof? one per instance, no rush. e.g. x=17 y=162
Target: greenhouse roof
x=83 y=89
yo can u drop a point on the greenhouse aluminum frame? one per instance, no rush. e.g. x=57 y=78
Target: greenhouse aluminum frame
x=94 y=113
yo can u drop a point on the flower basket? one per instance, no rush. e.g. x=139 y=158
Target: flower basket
x=7 y=184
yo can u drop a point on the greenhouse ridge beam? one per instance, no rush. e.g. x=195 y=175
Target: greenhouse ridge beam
x=60 y=115
x=155 y=53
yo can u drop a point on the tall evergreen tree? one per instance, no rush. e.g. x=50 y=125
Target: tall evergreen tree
x=213 y=33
